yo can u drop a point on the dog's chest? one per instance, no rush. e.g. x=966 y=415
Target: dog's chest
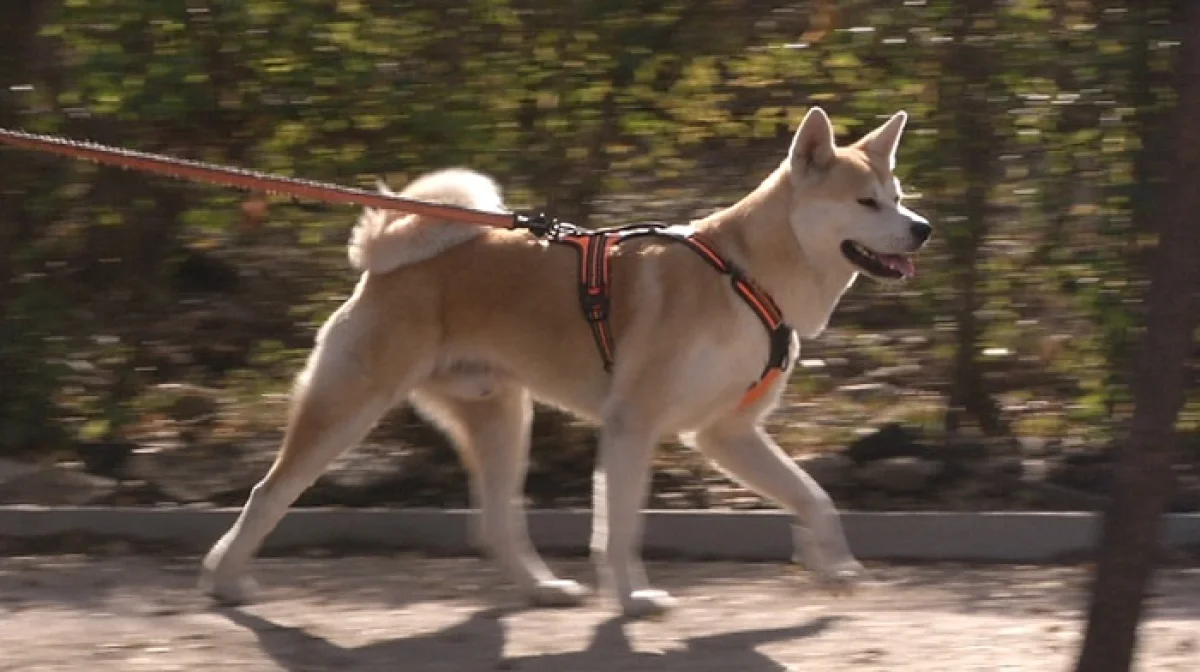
x=711 y=375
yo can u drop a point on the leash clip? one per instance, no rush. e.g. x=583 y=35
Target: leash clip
x=540 y=224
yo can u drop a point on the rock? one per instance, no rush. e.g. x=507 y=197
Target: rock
x=1008 y=465
x=203 y=273
x=676 y=500
x=1081 y=471
x=672 y=479
x=890 y=440
x=105 y=458
x=56 y=486
x=189 y=403
x=11 y=470
x=1035 y=469
x=905 y=475
x=198 y=473
x=1052 y=497
x=1185 y=498
x=966 y=458
x=1083 y=456
x=367 y=465
x=383 y=475
x=895 y=375
x=861 y=391
x=872 y=339
x=136 y=493
x=1037 y=446
x=830 y=470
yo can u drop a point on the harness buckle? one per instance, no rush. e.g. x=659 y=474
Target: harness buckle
x=736 y=274
x=594 y=301
x=781 y=347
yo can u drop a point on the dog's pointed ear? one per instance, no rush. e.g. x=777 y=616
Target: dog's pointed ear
x=813 y=146
x=883 y=141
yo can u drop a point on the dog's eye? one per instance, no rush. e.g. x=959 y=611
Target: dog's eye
x=869 y=203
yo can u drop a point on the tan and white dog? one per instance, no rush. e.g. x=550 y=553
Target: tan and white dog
x=472 y=324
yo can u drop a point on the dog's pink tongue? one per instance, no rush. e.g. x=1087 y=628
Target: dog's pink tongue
x=899 y=263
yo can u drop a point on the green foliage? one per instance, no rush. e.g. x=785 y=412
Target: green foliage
x=568 y=104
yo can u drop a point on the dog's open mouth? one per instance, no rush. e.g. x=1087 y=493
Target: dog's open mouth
x=876 y=265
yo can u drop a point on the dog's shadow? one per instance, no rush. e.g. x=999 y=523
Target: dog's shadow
x=477 y=643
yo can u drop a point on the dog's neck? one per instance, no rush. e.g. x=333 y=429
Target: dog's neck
x=756 y=233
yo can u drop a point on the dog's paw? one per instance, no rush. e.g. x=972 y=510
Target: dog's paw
x=647 y=603
x=558 y=593
x=229 y=592
x=841 y=579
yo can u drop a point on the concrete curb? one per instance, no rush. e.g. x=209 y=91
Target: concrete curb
x=701 y=534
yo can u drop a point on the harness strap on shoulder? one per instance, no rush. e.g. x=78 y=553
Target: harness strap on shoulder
x=764 y=307
x=594 y=249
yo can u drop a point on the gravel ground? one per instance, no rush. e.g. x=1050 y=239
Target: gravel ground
x=137 y=612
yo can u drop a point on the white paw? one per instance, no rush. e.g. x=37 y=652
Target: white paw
x=558 y=593
x=841 y=579
x=229 y=591
x=649 y=602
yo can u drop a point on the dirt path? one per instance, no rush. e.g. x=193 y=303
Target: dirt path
x=134 y=613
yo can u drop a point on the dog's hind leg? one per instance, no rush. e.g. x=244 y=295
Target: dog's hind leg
x=490 y=426
x=336 y=401
x=748 y=454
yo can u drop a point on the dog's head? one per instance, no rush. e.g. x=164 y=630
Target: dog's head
x=848 y=201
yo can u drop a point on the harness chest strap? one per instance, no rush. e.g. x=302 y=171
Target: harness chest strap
x=594 y=249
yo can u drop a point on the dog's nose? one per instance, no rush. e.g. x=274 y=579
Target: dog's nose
x=921 y=232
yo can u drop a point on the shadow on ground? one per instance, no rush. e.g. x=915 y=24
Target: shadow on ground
x=169 y=584
x=483 y=636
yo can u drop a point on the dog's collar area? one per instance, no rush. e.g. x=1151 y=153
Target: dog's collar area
x=595 y=248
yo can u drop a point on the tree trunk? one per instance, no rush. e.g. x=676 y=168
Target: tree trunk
x=16 y=49
x=27 y=390
x=965 y=92
x=1142 y=476
x=17 y=61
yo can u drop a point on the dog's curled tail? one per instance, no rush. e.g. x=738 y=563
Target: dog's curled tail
x=384 y=240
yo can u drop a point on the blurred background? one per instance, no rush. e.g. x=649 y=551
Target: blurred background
x=150 y=329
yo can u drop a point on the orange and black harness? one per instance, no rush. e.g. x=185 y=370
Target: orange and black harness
x=595 y=248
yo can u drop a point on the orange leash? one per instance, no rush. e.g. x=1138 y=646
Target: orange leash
x=196 y=171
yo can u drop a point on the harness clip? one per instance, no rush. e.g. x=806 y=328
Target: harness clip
x=594 y=302
x=781 y=347
x=540 y=224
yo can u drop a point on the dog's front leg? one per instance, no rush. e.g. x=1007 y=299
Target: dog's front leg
x=619 y=491
x=745 y=451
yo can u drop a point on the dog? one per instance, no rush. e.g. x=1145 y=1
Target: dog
x=471 y=324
